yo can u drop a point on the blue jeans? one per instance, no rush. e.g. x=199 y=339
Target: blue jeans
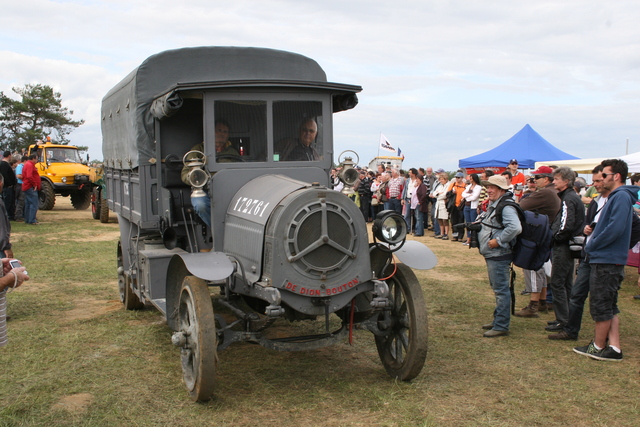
x=499 y=281
x=202 y=206
x=30 y=205
x=407 y=213
x=579 y=294
x=419 y=221
x=470 y=216
x=393 y=205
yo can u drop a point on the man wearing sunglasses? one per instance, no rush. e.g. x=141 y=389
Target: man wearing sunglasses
x=607 y=251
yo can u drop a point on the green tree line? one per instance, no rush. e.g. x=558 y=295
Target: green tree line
x=38 y=114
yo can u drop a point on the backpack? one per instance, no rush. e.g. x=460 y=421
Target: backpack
x=533 y=246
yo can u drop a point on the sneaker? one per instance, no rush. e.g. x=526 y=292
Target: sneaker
x=607 y=354
x=587 y=350
x=445 y=237
x=636 y=297
x=562 y=336
x=438 y=236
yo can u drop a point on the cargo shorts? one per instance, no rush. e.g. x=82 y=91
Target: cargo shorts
x=604 y=284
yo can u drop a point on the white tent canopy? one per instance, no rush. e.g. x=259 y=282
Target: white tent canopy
x=587 y=165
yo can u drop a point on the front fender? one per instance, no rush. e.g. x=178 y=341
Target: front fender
x=416 y=255
x=205 y=265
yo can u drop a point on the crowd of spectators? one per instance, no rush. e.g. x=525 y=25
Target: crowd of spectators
x=605 y=214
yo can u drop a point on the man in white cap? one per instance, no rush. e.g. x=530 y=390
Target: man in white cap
x=500 y=227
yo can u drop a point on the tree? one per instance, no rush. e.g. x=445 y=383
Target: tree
x=38 y=114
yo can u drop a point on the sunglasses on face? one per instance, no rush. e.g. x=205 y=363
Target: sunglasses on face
x=605 y=175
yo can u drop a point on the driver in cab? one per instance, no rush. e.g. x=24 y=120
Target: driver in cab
x=225 y=153
x=303 y=149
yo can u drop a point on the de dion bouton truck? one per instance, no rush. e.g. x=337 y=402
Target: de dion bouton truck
x=282 y=245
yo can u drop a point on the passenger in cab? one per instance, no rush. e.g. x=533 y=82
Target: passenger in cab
x=224 y=153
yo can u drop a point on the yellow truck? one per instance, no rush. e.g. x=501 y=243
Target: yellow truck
x=62 y=173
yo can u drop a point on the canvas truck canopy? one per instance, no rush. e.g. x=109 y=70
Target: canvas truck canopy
x=152 y=91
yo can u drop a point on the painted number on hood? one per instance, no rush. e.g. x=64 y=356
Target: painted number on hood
x=250 y=206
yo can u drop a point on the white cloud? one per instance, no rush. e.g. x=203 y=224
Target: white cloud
x=443 y=79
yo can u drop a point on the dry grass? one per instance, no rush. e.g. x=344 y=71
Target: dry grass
x=77 y=358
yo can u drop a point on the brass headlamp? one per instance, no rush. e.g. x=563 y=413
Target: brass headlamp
x=348 y=173
x=198 y=176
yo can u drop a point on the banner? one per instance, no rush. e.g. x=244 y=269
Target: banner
x=385 y=145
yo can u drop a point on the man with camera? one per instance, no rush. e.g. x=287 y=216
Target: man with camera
x=568 y=223
x=580 y=289
x=500 y=227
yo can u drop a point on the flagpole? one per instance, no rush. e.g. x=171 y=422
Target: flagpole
x=379 y=144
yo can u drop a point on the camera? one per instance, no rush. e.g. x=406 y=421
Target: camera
x=14 y=263
x=473 y=228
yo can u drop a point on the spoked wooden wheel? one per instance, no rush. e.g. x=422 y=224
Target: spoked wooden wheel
x=197 y=332
x=403 y=350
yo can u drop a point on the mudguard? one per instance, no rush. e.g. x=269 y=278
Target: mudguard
x=416 y=255
x=208 y=265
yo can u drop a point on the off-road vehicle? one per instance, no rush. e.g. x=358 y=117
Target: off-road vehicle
x=63 y=173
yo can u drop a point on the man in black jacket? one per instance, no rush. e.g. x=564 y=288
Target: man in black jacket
x=10 y=181
x=580 y=289
x=567 y=223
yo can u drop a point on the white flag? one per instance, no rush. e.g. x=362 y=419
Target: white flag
x=385 y=144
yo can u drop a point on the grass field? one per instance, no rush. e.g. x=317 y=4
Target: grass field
x=77 y=358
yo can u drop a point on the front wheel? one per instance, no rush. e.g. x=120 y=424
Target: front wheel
x=46 y=196
x=81 y=199
x=403 y=348
x=197 y=328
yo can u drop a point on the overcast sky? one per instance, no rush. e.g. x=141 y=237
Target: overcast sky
x=443 y=80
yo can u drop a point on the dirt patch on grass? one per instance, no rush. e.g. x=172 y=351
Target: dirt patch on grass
x=75 y=404
x=90 y=308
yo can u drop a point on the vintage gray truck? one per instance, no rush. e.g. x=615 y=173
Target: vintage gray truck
x=282 y=245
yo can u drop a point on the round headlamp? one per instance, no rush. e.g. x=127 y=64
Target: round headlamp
x=198 y=177
x=390 y=227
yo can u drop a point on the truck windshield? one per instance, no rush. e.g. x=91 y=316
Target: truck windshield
x=297 y=127
x=241 y=133
x=63 y=155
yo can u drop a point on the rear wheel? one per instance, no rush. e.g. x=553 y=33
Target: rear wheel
x=104 y=210
x=81 y=199
x=46 y=196
x=95 y=203
x=197 y=330
x=403 y=350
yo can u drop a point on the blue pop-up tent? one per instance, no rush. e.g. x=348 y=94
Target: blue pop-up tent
x=526 y=146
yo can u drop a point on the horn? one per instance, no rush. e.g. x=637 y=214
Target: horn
x=169 y=238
